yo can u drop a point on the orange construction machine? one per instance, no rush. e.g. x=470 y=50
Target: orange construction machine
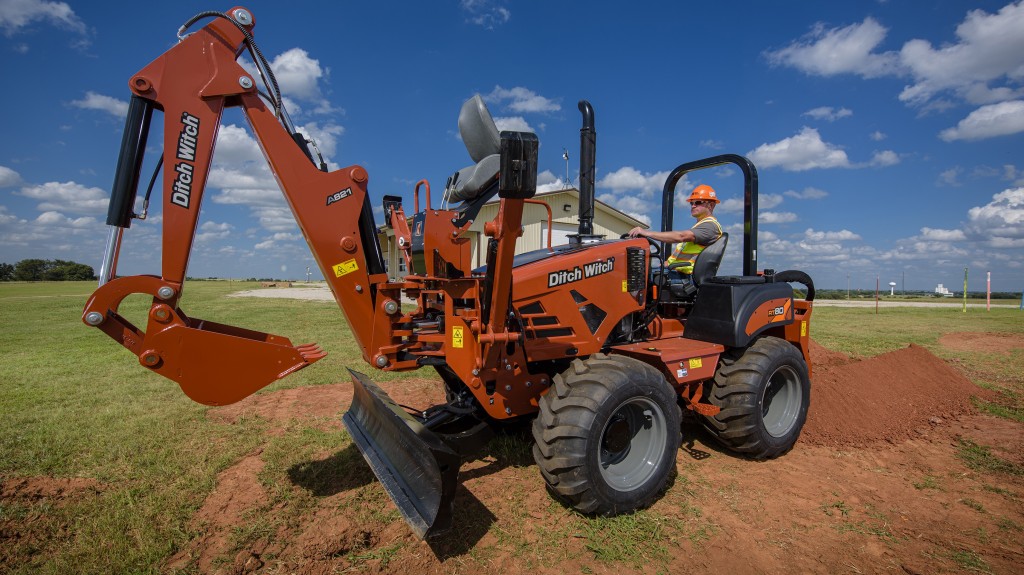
x=589 y=339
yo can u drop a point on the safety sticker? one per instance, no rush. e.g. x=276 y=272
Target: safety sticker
x=803 y=329
x=681 y=372
x=695 y=363
x=345 y=268
x=456 y=336
x=624 y=289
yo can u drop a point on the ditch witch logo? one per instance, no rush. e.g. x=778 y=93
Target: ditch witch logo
x=562 y=277
x=181 y=191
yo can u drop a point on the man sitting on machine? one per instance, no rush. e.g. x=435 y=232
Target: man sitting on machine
x=691 y=242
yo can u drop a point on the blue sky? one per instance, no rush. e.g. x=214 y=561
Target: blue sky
x=889 y=136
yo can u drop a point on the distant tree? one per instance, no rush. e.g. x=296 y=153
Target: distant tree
x=6 y=272
x=33 y=270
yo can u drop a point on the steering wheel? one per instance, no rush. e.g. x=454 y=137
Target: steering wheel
x=655 y=245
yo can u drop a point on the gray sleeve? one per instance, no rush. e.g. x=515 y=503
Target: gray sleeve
x=705 y=234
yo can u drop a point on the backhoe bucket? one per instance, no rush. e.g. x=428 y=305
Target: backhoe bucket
x=418 y=470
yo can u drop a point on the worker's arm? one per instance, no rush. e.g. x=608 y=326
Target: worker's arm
x=671 y=236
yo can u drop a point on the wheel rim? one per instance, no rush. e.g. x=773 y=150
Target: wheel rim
x=632 y=443
x=782 y=401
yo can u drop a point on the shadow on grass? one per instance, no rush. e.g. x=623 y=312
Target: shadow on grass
x=472 y=520
x=343 y=471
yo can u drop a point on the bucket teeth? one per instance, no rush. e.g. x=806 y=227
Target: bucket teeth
x=311 y=352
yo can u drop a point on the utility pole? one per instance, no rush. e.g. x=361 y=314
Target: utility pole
x=847 y=286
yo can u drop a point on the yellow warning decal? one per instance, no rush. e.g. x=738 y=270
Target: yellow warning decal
x=695 y=363
x=345 y=268
x=803 y=329
x=456 y=336
x=624 y=290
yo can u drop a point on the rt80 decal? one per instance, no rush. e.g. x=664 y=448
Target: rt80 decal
x=778 y=310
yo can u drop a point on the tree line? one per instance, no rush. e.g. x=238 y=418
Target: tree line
x=36 y=270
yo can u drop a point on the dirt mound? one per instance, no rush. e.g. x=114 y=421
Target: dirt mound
x=983 y=342
x=890 y=398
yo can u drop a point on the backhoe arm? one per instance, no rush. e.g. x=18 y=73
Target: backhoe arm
x=192 y=83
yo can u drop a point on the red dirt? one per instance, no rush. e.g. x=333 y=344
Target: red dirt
x=55 y=489
x=889 y=398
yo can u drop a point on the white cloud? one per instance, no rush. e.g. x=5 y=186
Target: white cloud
x=1002 y=218
x=951 y=177
x=68 y=196
x=209 y=231
x=94 y=101
x=298 y=75
x=849 y=50
x=933 y=234
x=1000 y=119
x=522 y=100
x=58 y=219
x=235 y=146
x=989 y=47
x=768 y=201
x=804 y=151
x=777 y=217
x=17 y=14
x=1011 y=173
x=983 y=66
x=485 y=13
x=712 y=144
x=878 y=136
x=807 y=194
x=547 y=181
x=8 y=177
x=811 y=234
x=326 y=138
x=513 y=123
x=633 y=192
x=629 y=178
x=633 y=206
x=828 y=113
x=885 y=158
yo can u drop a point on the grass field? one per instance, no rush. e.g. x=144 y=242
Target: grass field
x=74 y=404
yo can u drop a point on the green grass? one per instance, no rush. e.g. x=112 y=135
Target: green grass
x=74 y=404
x=980 y=458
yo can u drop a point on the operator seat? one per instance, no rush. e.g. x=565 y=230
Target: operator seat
x=682 y=287
x=483 y=144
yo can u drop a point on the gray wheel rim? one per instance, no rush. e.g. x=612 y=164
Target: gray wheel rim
x=632 y=444
x=782 y=401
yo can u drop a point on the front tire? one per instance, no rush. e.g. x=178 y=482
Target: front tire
x=763 y=392
x=607 y=434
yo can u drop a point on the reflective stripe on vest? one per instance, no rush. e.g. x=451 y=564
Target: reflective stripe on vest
x=685 y=253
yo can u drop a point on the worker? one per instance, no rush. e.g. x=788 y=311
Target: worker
x=689 y=242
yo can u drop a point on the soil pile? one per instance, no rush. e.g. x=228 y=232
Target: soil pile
x=889 y=398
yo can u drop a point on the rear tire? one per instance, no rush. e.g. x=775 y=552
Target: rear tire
x=763 y=392
x=607 y=434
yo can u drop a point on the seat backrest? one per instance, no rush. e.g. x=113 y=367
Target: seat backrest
x=708 y=260
x=478 y=130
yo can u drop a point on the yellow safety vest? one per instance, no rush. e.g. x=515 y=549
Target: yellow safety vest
x=685 y=253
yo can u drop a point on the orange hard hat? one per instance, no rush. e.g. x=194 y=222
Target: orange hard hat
x=703 y=192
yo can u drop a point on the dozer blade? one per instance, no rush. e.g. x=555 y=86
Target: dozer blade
x=418 y=470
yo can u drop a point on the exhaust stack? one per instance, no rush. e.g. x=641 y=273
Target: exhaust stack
x=588 y=161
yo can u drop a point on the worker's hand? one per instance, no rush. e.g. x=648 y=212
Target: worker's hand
x=636 y=232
